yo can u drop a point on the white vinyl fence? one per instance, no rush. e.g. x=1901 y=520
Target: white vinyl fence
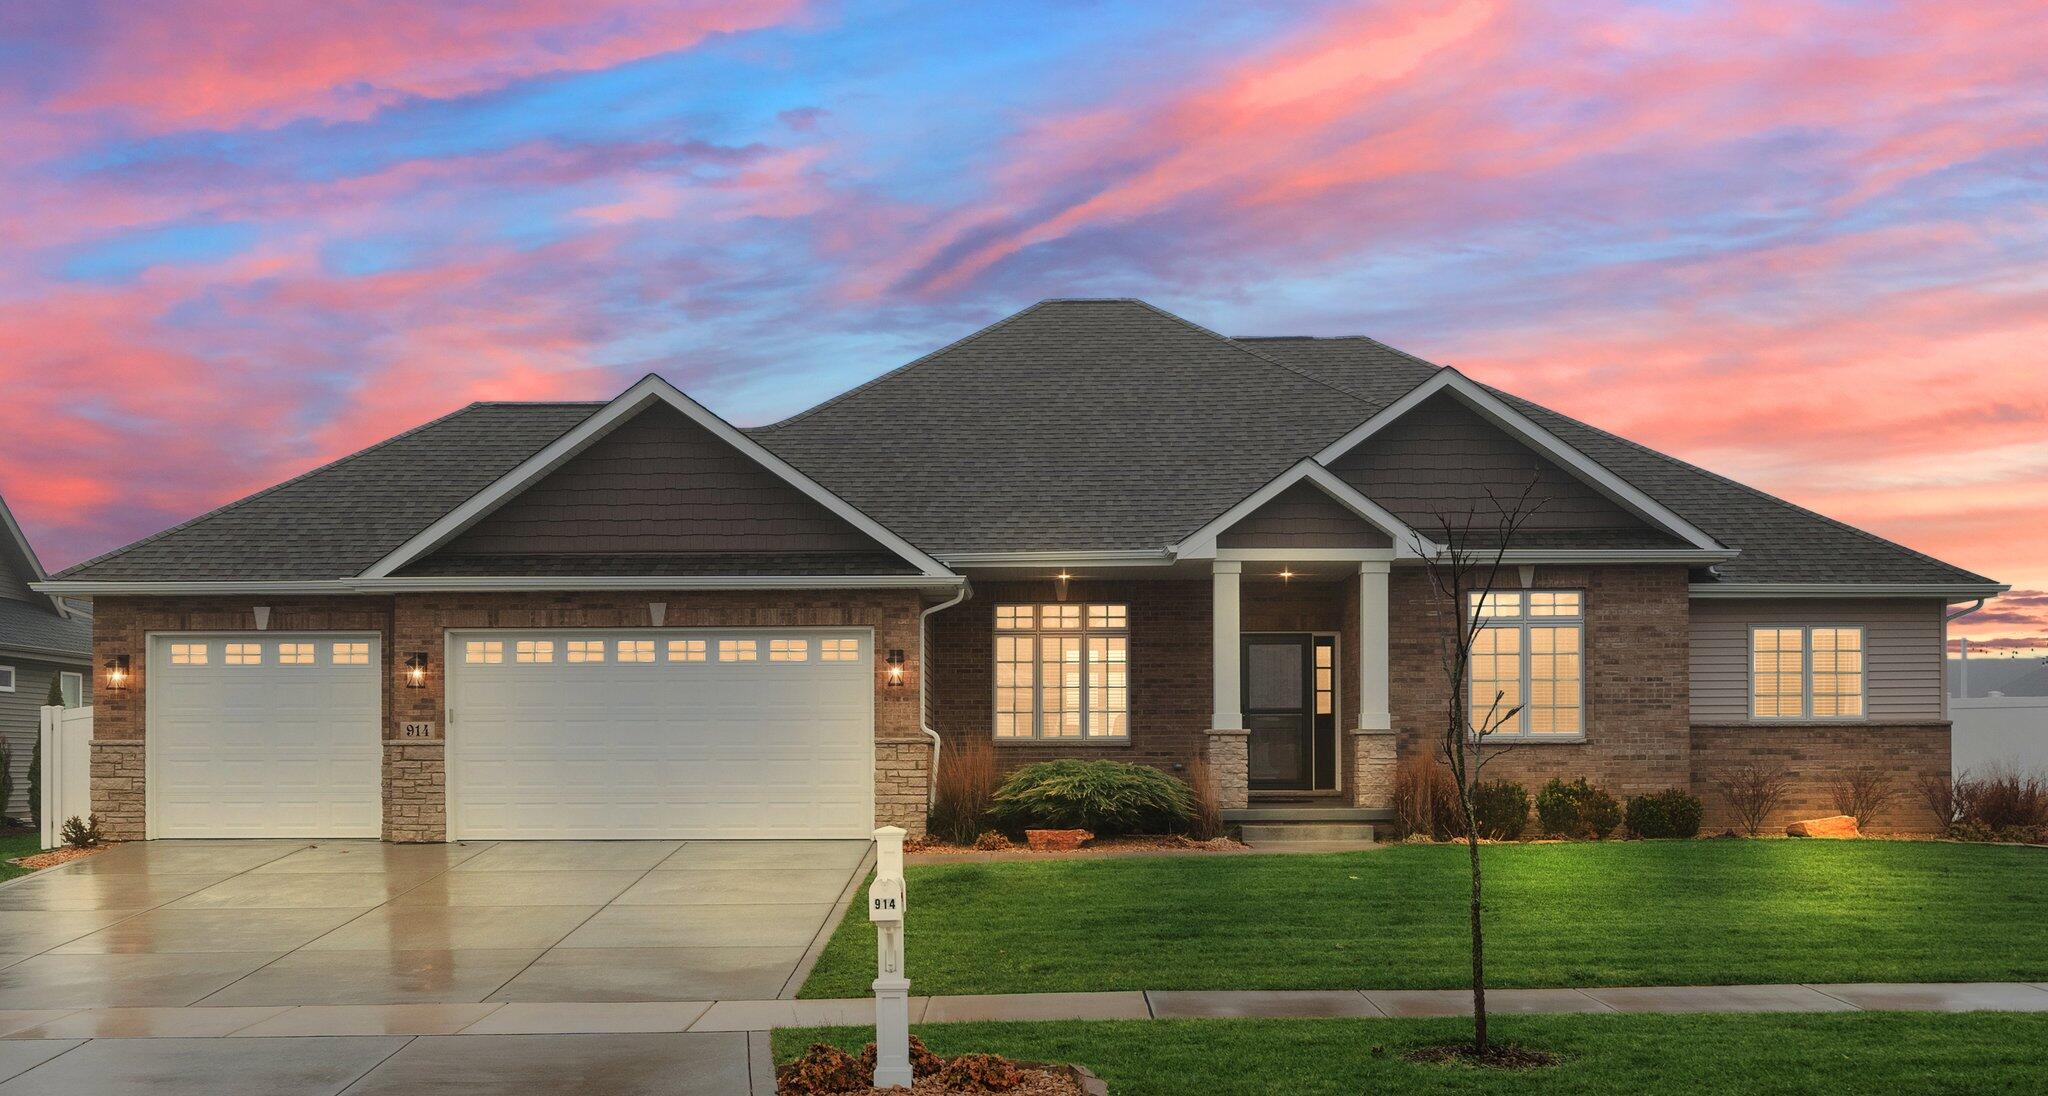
x=67 y=768
x=1991 y=731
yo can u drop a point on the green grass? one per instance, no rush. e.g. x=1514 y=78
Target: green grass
x=17 y=844
x=1791 y=1054
x=1612 y=913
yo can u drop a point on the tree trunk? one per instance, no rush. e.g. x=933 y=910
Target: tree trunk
x=1478 y=938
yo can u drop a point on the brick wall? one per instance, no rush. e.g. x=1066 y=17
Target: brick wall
x=1814 y=756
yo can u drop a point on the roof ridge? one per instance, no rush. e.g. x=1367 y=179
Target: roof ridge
x=1241 y=348
x=273 y=489
x=1737 y=484
x=871 y=382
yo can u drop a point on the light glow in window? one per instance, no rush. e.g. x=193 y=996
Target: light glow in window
x=188 y=654
x=736 y=650
x=483 y=652
x=295 y=654
x=636 y=650
x=350 y=654
x=788 y=650
x=586 y=650
x=686 y=650
x=839 y=650
x=533 y=650
x=244 y=654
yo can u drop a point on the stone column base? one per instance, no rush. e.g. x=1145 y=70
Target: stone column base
x=903 y=780
x=1230 y=766
x=1372 y=768
x=415 y=791
x=119 y=779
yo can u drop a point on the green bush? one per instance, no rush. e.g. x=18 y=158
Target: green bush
x=82 y=833
x=1501 y=808
x=1104 y=797
x=1669 y=813
x=1577 y=809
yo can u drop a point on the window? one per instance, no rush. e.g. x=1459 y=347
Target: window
x=839 y=650
x=351 y=654
x=188 y=654
x=1062 y=671
x=295 y=654
x=533 y=650
x=73 y=687
x=6 y=679
x=244 y=654
x=686 y=650
x=483 y=652
x=1529 y=652
x=736 y=650
x=636 y=650
x=1806 y=672
x=789 y=650
x=586 y=650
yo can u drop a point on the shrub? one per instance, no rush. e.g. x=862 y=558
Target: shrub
x=1753 y=791
x=1501 y=809
x=1207 y=820
x=2008 y=802
x=1426 y=800
x=1950 y=799
x=1863 y=790
x=83 y=833
x=1577 y=809
x=1672 y=812
x=1104 y=797
x=965 y=784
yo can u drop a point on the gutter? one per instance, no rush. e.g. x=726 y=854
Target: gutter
x=924 y=723
x=505 y=584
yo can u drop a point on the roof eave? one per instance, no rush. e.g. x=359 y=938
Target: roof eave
x=1954 y=591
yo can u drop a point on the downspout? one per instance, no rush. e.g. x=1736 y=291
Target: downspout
x=924 y=710
x=1963 y=676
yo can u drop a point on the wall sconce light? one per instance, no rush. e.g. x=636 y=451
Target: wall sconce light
x=1286 y=575
x=117 y=672
x=895 y=667
x=416 y=670
x=1060 y=593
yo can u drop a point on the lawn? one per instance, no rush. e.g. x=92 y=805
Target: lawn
x=1791 y=1054
x=1612 y=913
x=17 y=843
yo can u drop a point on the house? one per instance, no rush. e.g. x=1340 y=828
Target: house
x=1093 y=529
x=43 y=638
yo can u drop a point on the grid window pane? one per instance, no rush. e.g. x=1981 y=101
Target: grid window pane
x=1016 y=680
x=1837 y=672
x=737 y=650
x=1012 y=617
x=533 y=650
x=295 y=654
x=636 y=650
x=1108 y=687
x=1553 y=603
x=1059 y=616
x=1108 y=617
x=244 y=654
x=1059 y=695
x=789 y=650
x=1496 y=676
x=483 y=652
x=1779 y=660
x=1061 y=671
x=686 y=650
x=839 y=650
x=1497 y=605
x=1554 y=681
x=188 y=654
x=351 y=654
x=586 y=650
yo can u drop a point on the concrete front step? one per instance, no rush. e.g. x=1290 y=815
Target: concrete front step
x=1261 y=835
x=1288 y=812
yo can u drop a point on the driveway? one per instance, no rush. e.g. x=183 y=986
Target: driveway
x=273 y=923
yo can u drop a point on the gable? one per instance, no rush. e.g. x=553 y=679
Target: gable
x=1303 y=516
x=1443 y=457
x=658 y=485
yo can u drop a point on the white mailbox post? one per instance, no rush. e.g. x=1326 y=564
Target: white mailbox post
x=892 y=989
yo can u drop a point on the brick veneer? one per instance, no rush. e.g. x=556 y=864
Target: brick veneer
x=415 y=792
x=1813 y=755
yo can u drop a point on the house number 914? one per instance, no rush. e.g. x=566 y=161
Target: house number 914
x=418 y=730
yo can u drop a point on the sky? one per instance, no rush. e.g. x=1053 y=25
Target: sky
x=1798 y=242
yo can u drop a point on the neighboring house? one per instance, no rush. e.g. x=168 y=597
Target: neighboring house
x=1992 y=676
x=1126 y=537
x=42 y=638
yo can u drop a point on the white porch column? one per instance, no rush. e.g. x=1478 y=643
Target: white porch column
x=1224 y=645
x=1373 y=638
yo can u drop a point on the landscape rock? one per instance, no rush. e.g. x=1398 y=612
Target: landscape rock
x=1056 y=840
x=1840 y=825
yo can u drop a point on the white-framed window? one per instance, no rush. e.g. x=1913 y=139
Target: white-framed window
x=72 y=686
x=188 y=654
x=686 y=650
x=838 y=650
x=6 y=679
x=533 y=650
x=1806 y=671
x=295 y=654
x=1529 y=651
x=351 y=654
x=789 y=650
x=483 y=652
x=586 y=650
x=737 y=650
x=636 y=650
x=243 y=654
x=1062 y=671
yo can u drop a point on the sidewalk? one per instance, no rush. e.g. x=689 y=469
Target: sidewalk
x=495 y=1018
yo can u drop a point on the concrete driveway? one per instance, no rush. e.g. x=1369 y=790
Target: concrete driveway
x=273 y=923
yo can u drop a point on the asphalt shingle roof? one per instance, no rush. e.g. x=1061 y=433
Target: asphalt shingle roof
x=1091 y=425
x=33 y=626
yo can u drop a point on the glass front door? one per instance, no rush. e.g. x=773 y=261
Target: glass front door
x=1289 y=698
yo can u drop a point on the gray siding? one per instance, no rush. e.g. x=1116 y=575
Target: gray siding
x=1443 y=455
x=660 y=484
x=21 y=720
x=1302 y=517
x=1903 y=642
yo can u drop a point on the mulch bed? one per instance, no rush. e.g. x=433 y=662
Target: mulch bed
x=1496 y=1056
x=826 y=1070
x=54 y=857
x=997 y=843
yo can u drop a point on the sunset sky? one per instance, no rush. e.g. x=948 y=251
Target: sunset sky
x=1801 y=243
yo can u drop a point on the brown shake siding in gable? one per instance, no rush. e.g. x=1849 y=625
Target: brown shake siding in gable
x=1302 y=517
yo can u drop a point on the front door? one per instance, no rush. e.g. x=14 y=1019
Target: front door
x=1289 y=699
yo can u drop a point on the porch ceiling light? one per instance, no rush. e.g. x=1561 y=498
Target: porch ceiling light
x=895 y=671
x=117 y=672
x=1286 y=574
x=416 y=670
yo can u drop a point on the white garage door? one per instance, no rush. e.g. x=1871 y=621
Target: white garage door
x=264 y=734
x=661 y=733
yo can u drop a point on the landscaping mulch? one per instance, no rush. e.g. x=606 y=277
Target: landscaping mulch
x=54 y=857
x=1495 y=1056
x=1001 y=848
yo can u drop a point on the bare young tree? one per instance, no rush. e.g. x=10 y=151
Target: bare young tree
x=1753 y=791
x=1465 y=569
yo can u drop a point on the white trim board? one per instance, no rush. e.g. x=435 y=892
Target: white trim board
x=1408 y=544
x=1529 y=433
x=650 y=390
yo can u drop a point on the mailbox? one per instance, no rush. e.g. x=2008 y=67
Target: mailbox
x=885 y=899
x=892 y=990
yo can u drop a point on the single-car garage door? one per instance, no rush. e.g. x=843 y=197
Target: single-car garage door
x=264 y=734
x=661 y=733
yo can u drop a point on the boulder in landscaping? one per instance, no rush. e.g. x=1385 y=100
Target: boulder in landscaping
x=1056 y=840
x=1840 y=825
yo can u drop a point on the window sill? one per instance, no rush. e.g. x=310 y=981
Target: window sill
x=1534 y=739
x=1124 y=741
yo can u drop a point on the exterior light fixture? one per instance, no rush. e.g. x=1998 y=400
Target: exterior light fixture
x=1062 y=578
x=117 y=672
x=416 y=670
x=895 y=670
x=1286 y=575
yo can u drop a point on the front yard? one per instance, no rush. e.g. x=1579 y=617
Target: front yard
x=1611 y=913
x=1790 y=1054
x=22 y=842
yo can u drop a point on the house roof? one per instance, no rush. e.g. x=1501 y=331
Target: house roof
x=29 y=628
x=1074 y=425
